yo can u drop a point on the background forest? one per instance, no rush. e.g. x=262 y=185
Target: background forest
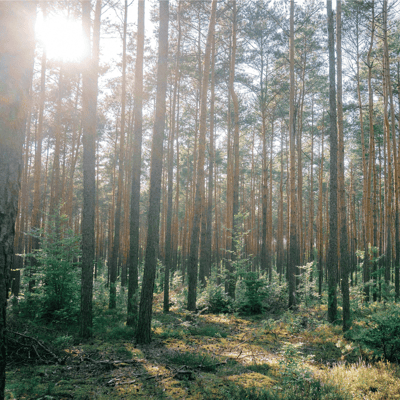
x=242 y=159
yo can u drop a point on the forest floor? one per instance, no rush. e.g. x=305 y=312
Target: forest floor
x=295 y=355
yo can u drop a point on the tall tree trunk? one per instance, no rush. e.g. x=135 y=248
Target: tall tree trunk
x=332 y=260
x=311 y=212
x=168 y=239
x=76 y=142
x=270 y=222
x=208 y=244
x=89 y=104
x=344 y=253
x=199 y=198
x=293 y=250
x=235 y=194
x=264 y=176
x=118 y=211
x=371 y=164
x=16 y=60
x=55 y=177
x=320 y=239
x=280 y=251
x=176 y=241
x=136 y=168
x=386 y=95
x=35 y=221
x=395 y=207
x=143 y=334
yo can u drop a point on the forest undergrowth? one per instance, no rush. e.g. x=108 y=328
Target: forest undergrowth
x=281 y=355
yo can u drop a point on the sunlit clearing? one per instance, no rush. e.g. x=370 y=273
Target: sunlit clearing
x=62 y=38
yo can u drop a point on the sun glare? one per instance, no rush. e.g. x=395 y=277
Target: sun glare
x=62 y=38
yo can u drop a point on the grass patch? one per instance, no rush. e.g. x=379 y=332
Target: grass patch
x=123 y=353
x=282 y=358
x=260 y=368
x=208 y=330
x=193 y=360
x=377 y=381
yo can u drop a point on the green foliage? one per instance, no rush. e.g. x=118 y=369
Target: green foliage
x=260 y=368
x=63 y=342
x=306 y=286
x=275 y=295
x=29 y=388
x=250 y=299
x=172 y=333
x=215 y=299
x=123 y=353
x=111 y=326
x=380 y=332
x=56 y=275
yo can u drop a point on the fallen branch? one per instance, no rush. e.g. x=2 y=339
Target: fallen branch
x=21 y=347
x=110 y=363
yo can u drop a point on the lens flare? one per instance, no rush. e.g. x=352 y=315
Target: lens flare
x=62 y=38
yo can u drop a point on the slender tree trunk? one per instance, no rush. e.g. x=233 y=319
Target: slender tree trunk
x=332 y=260
x=293 y=249
x=117 y=224
x=168 y=239
x=344 y=253
x=311 y=217
x=199 y=198
x=320 y=218
x=89 y=104
x=136 y=168
x=176 y=241
x=264 y=176
x=386 y=95
x=143 y=334
x=211 y=167
x=35 y=222
x=235 y=197
x=280 y=251
x=371 y=164
x=55 y=179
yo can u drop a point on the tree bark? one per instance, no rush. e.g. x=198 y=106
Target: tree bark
x=143 y=334
x=89 y=104
x=344 y=253
x=168 y=238
x=136 y=169
x=332 y=260
x=199 y=197
x=16 y=63
x=293 y=249
x=117 y=224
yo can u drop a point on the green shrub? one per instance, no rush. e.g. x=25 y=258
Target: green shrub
x=275 y=294
x=250 y=300
x=380 y=332
x=54 y=296
x=215 y=299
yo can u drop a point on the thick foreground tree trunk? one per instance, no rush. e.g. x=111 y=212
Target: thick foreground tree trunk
x=16 y=62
